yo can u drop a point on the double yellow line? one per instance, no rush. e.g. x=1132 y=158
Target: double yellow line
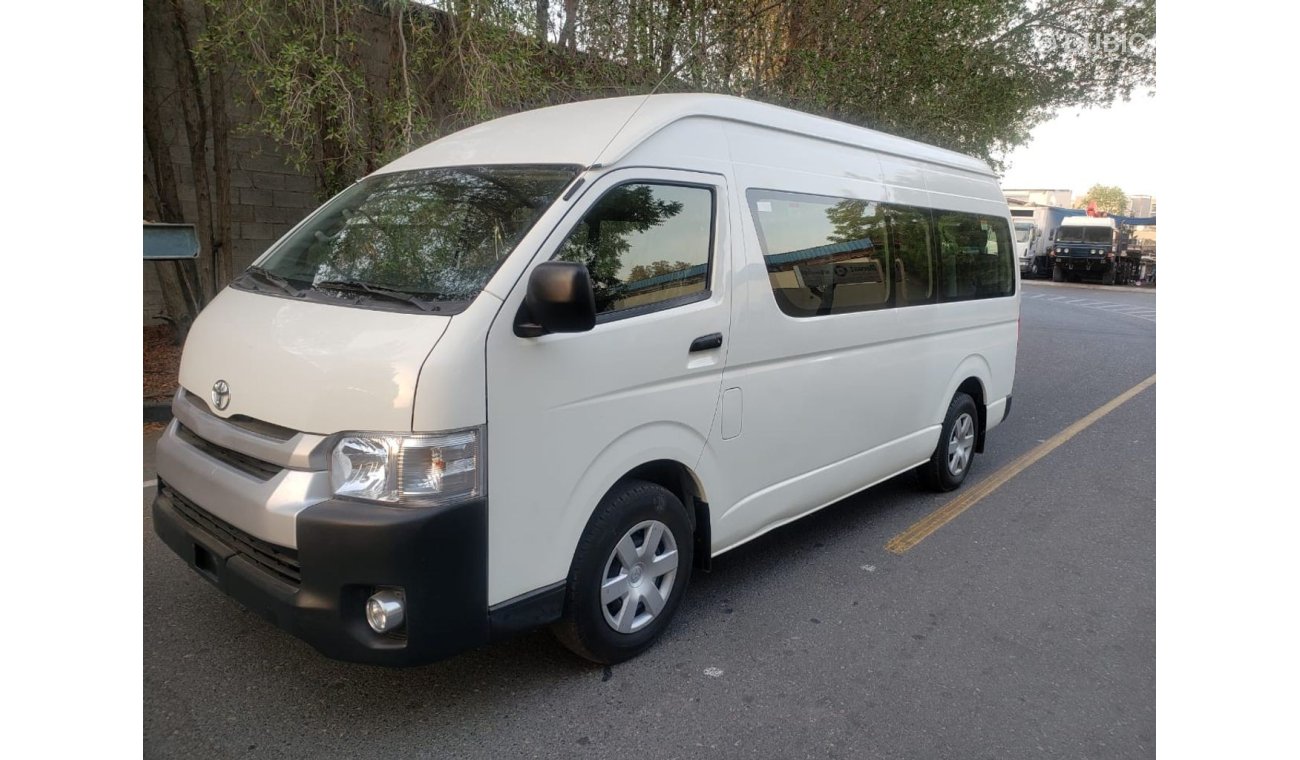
x=948 y=512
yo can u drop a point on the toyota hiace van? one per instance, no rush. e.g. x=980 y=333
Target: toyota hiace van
x=540 y=371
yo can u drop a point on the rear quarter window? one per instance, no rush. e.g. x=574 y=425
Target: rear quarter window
x=976 y=257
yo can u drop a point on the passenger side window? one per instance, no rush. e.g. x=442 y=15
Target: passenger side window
x=645 y=245
x=976 y=258
x=910 y=245
x=824 y=255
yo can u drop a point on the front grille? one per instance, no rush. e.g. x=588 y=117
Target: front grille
x=242 y=462
x=278 y=560
x=244 y=422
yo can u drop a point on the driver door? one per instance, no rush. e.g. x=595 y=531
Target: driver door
x=568 y=414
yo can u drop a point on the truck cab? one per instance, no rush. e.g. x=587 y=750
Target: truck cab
x=1085 y=246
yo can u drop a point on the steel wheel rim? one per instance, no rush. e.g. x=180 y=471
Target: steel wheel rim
x=961 y=444
x=639 y=576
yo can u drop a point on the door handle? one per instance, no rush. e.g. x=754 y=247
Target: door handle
x=706 y=342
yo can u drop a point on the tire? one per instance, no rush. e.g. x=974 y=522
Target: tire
x=630 y=511
x=958 y=434
x=1108 y=277
x=1035 y=270
x=1058 y=274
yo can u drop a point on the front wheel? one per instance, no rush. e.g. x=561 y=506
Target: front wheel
x=1108 y=277
x=1058 y=274
x=629 y=573
x=952 y=458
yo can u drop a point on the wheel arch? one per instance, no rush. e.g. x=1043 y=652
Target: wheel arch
x=685 y=484
x=973 y=378
x=657 y=453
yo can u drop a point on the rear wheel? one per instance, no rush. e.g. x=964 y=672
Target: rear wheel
x=952 y=458
x=629 y=573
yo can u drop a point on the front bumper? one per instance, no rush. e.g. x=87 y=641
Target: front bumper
x=345 y=550
x=1082 y=264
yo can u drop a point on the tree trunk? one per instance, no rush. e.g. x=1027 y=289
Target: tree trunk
x=222 y=255
x=568 y=36
x=629 y=47
x=543 y=21
x=196 y=131
x=671 y=26
x=162 y=203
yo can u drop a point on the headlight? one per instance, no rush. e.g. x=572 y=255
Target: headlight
x=414 y=470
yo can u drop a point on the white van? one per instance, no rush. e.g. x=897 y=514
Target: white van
x=541 y=370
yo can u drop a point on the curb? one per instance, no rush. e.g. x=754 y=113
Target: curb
x=157 y=411
x=1147 y=289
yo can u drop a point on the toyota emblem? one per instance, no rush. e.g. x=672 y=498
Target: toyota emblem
x=221 y=394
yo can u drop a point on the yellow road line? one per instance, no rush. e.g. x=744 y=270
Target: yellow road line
x=945 y=514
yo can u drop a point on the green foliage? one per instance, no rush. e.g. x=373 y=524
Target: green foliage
x=1109 y=198
x=972 y=75
x=301 y=63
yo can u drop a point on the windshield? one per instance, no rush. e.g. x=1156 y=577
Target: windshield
x=1084 y=235
x=1022 y=231
x=414 y=238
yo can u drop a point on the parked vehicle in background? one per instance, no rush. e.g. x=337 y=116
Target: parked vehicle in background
x=542 y=370
x=1090 y=247
x=1026 y=232
x=1046 y=220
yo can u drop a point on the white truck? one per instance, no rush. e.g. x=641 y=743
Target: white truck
x=1035 y=260
x=1024 y=234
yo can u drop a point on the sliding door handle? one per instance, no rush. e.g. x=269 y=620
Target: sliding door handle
x=707 y=342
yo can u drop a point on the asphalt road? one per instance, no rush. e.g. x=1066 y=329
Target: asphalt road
x=1023 y=628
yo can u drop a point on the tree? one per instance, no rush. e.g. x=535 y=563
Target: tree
x=972 y=75
x=1109 y=198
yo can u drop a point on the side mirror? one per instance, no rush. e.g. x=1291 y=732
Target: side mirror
x=559 y=299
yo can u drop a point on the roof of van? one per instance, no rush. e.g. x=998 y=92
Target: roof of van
x=605 y=130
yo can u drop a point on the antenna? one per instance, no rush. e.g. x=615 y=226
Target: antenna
x=695 y=50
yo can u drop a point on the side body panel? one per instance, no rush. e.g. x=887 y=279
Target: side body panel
x=569 y=414
x=833 y=404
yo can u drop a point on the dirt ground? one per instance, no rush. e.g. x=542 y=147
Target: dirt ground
x=162 y=362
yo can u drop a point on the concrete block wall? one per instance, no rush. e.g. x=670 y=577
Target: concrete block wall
x=268 y=195
x=268 y=198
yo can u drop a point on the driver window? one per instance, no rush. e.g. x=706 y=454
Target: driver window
x=645 y=245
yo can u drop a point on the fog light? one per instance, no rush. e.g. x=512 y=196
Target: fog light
x=386 y=610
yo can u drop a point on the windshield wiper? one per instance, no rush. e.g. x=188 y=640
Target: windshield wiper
x=266 y=276
x=346 y=286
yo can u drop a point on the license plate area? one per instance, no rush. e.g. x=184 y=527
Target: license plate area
x=206 y=563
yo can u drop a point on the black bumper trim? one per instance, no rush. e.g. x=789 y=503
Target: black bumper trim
x=527 y=611
x=278 y=560
x=346 y=550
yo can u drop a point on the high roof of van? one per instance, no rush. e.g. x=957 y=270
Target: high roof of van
x=603 y=131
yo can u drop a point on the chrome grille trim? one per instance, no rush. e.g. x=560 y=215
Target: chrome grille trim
x=300 y=451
